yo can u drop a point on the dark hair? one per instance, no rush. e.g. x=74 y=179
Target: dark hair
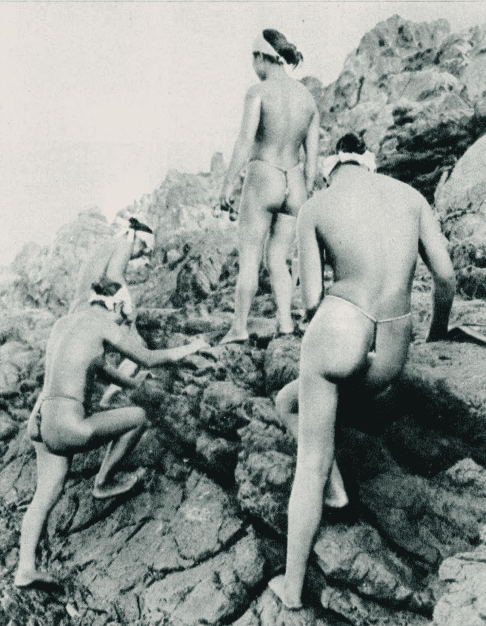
x=105 y=288
x=136 y=225
x=282 y=47
x=351 y=143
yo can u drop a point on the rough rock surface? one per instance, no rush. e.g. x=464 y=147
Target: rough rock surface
x=416 y=94
x=461 y=205
x=205 y=532
x=197 y=542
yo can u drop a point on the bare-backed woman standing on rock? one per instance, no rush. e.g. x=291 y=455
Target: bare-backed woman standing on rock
x=280 y=117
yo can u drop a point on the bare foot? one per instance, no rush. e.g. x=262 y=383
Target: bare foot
x=277 y=585
x=37 y=580
x=336 y=501
x=110 y=393
x=118 y=487
x=285 y=329
x=233 y=337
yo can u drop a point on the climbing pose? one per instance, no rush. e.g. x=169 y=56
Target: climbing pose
x=58 y=424
x=280 y=117
x=371 y=229
x=109 y=261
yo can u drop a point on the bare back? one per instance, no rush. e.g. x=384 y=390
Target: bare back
x=74 y=352
x=369 y=227
x=287 y=109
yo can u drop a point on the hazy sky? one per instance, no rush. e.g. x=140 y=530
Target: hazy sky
x=98 y=99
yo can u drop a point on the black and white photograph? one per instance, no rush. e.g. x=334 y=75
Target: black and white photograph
x=243 y=313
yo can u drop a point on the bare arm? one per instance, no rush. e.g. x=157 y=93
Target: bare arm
x=112 y=375
x=433 y=250
x=91 y=271
x=309 y=260
x=132 y=349
x=244 y=143
x=311 y=146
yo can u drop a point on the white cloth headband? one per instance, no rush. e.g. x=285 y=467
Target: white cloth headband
x=367 y=159
x=260 y=44
x=110 y=301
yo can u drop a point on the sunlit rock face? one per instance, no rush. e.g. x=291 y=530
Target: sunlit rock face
x=198 y=539
x=415 y=92
x=206 y=529
x=47 y=274
x=461 y=205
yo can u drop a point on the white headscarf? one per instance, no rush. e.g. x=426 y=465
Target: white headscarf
x=260 y=44
x=121 y=296
x=367 y=159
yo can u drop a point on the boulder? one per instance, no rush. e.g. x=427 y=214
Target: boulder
x=48 y=274
x=219 y=408
x=464 y=599
x=461 y=205
x=413 y=91
x=281 y=362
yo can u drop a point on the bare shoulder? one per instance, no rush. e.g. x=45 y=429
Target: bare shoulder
x=111 y=332
x=254 y=92
x=406 y=192
x=60 y=326
x=306 y=94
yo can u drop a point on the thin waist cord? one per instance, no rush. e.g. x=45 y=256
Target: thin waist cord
x=370 y=317
x=280 y=169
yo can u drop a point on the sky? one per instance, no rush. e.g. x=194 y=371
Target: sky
x=99 y=99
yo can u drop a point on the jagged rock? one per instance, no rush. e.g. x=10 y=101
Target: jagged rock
x=204 y=522
x=8 y=428
x=358 y=556
x=112 y=548
x=281 y=362
x=361 y=611
x=461 y=204
x=27 y=325
x=17 y=477
x=48 y=275
x=467 y=473
x=219 y=408
x=16 y=361
x=414 y=92
x=212 y=592
x=264 y=482
x=464 y=601
x=239 y=364
x=217 y=454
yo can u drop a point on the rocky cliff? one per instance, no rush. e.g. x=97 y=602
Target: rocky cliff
x=200 y=538
x=415 y=92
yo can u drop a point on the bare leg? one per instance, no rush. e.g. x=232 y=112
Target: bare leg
x=281 y=237
x=315 y=457
x=334 y=348
x=65 y=430
x=253 y=227
x=287 y=406
x=126 y=368
x=51 y=476
x=104 y=486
